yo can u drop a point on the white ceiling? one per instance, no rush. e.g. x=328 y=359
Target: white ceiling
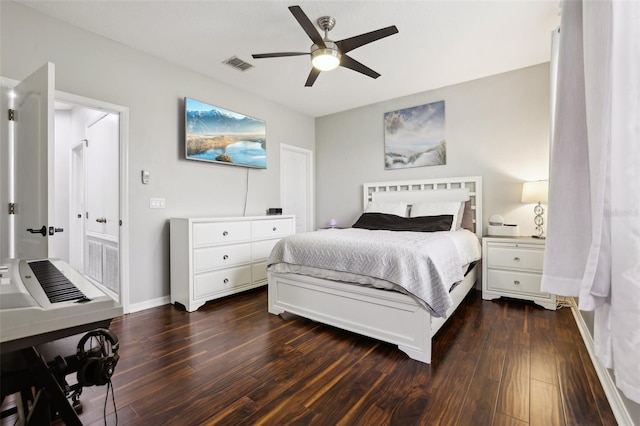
x=439 y=42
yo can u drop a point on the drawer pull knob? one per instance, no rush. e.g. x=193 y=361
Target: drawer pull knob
x=225 y=233
x=225 y=257
x=516 y=282
x=516 y=259
x=275 y=229
x=226 y=280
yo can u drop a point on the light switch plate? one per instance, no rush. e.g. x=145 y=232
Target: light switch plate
x=157 y=203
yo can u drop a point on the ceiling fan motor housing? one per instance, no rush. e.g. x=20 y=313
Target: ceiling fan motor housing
x=325 y=58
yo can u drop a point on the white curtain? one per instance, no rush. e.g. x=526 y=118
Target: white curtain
x=593 y=244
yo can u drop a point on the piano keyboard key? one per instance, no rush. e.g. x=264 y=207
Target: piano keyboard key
x=55 y=285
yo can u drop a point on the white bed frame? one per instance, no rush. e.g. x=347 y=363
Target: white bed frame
x=384 y=315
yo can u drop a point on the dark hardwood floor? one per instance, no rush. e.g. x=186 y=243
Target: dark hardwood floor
x=502 y=362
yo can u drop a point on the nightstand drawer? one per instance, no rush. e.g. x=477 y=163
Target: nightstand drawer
x=512 y=257
x=515 y=282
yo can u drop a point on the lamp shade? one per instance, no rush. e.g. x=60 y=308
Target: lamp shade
x=535 y=192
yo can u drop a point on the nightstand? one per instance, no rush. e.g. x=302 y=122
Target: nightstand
x=512 y=267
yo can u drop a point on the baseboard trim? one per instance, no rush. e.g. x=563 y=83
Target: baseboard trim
x=148 y=304
x=611 y=391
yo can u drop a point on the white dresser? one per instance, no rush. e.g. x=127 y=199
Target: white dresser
x=512 y=267
x=216 y=257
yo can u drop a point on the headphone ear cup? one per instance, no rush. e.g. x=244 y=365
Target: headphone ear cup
x=99 y=377
x=96 y=371
x=87 y=372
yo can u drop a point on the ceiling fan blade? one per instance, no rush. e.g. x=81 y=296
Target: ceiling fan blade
x=312 y=77
x=349 y=62
x=307 y=25
x=351 y=43
x=278 y=54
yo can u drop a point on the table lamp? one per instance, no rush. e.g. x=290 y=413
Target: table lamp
x=536 y=192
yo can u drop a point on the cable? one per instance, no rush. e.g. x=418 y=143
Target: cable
x=564 y=302
x=246 y=195
x=113 y=398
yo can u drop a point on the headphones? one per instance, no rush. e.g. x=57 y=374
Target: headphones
x=98 y=362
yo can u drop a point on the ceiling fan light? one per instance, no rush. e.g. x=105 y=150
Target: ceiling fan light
x=325 y=59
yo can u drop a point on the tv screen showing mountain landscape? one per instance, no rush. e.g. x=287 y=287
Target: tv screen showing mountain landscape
x=221 y=136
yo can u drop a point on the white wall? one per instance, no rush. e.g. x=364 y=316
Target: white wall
x=496 y=127
x=153 y=90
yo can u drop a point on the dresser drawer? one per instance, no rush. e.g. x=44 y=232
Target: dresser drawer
x=517 y=283
x=275 y=228
x=206 y=259
x=512 y=257
x=225 y=280
x=205 y=234
x=262 y=249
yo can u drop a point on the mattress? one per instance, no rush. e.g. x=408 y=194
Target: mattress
x=424 y=265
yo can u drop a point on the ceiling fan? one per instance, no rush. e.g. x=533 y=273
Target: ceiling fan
x=326 y=54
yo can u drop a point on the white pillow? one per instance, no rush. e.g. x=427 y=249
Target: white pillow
x=439 y=208
x=399 y=209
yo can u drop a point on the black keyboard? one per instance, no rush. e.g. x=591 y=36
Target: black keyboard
x=56 y=286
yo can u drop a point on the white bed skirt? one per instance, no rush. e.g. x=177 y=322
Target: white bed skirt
x=385 y=315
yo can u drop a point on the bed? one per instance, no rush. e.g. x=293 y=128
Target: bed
x=361 y=306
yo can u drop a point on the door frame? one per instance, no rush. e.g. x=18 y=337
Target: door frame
x=310 y=181
x=123 y=173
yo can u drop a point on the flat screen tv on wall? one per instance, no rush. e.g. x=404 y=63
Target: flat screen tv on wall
x=221 y=136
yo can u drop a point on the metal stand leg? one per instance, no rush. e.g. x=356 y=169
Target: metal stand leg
x=50 y=393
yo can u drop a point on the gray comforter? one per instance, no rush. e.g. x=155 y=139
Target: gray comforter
x=424 y=264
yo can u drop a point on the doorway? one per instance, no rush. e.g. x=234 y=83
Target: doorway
x=296 y=185
x=87 y=192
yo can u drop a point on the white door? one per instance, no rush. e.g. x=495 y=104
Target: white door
x=103 y=210
x=34 y=215
x=296 y=185
x=76 y=221
x=102 y=176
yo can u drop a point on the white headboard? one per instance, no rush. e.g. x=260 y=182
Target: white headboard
x=412 y=191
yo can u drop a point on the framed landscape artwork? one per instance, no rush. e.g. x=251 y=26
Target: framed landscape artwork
x=221 y=136
x=414 y=137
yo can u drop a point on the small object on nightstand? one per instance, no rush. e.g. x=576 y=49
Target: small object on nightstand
x=512 y=267
x=505 y=230
x=498 y=228
x=333 y=223
x=496 y=220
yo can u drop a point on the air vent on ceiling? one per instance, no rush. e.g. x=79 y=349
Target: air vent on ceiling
x=238 y=63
